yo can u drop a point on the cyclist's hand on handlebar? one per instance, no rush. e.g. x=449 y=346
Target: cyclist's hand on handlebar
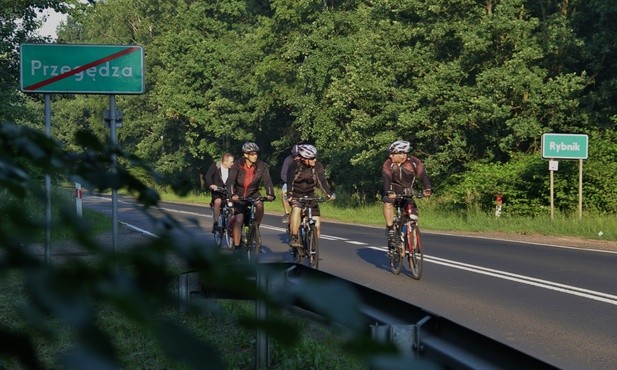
x=270 y=197
x=391 y=194
x=427 y=192
x=331 y=196
x=235 y=197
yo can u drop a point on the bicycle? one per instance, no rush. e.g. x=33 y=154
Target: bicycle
x=408 y=243
x=250 y=237
x=308 y=234
x=224 y=228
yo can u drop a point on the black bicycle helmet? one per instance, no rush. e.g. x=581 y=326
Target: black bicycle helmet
x=249 y=147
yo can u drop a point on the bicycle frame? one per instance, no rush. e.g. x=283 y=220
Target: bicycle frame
x=223 y=231
x=250 y=238
x=308 y=233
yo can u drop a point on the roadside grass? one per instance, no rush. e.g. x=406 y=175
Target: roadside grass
x=319 y=346
x=434 y=217
x=62 y=202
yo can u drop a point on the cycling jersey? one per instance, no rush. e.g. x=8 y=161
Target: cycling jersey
x=302 y=179
x=398 y=178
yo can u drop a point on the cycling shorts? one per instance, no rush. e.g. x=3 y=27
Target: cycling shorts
x=313 y=204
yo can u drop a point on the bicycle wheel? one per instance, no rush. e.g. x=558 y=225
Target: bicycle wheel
x=218 y=232
x=395 y=255
x=415 y=256
x=253 y=246
x=227 y=236
x=228 y=230
x=313 y=248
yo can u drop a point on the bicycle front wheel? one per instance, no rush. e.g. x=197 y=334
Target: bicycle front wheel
x=253 y=245
x=395 y=254
x=218 y=232
x=313 y=248
x=228 y=233
x=414 y=247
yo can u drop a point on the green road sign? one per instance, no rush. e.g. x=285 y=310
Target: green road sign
x=82 y=69
x=564 y=146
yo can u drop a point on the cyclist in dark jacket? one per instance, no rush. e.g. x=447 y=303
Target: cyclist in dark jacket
x=399 y=173
x=245 y=178
x=284 y=170
x=215 y=179
x=304 y=175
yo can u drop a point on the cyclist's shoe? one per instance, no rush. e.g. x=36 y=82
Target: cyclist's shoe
x=295 y=242
x=285 y=219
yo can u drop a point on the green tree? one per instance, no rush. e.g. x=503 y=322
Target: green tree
x=18 y=23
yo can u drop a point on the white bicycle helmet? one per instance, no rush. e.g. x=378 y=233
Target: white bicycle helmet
x=249 y=147
x=399 y=146
x=307 y=151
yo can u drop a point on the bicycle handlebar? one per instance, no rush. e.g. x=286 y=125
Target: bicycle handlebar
x=219 y=190
x=415 y=194
x=253 y=200
x=306 y=198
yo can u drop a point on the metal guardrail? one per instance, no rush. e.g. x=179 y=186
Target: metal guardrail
x=417 y=333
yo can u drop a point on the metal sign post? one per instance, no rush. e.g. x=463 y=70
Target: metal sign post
x=82 y=69
x=566 y=146
x=47 y=185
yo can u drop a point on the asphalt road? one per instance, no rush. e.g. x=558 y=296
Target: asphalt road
x=558 y=304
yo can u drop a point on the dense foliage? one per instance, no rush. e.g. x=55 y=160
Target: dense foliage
x=473 y=85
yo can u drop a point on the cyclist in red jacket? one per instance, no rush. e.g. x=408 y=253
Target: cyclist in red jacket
x=399 y=173
x=245 y=178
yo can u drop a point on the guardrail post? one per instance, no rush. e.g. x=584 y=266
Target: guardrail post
x=188 y=283
x=262 y=342
x=402 y=336
x=78 y=201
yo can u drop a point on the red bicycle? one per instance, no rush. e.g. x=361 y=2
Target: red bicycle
x=407 y=243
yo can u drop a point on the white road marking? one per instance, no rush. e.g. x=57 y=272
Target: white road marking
x=546 y=284
x=550 y=285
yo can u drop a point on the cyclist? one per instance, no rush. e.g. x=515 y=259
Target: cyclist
x=245 y=177
x=399 y=172
x=305 y=173
x=286 y=163
x=215 y=179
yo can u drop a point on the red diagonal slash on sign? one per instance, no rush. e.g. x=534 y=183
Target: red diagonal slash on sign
x=38 y=85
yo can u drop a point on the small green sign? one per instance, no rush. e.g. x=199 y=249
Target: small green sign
x=564 y=146
x=82 y=69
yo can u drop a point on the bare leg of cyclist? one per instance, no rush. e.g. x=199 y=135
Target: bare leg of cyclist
x=259 y=212
x=238 y=229
x=216 y=211
x=318 y=225
x=294 y=225
x=388 y=215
